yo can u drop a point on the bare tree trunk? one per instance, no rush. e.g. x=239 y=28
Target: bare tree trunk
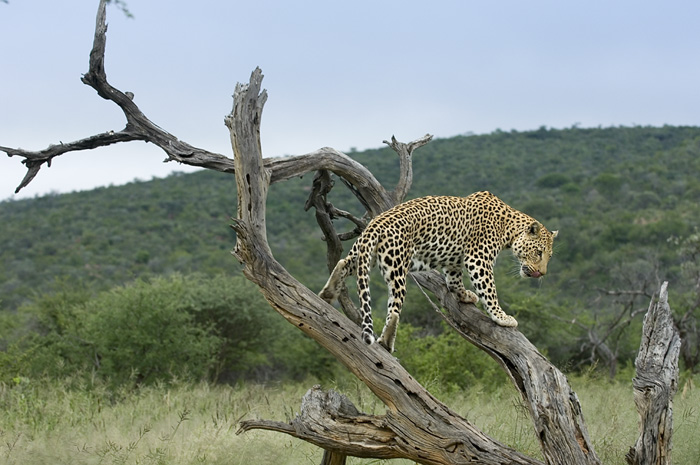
x=655 y=384
x=416 y=426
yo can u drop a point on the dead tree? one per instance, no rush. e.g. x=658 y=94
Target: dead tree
x=655 y=384
x=415 y=425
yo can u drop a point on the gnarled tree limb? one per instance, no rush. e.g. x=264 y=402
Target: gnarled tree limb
x=138 y=126
x=330 y=421
x=554 y=407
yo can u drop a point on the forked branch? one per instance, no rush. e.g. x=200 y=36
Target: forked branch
x=405 y=152
x=138 y=126
x=141 y=128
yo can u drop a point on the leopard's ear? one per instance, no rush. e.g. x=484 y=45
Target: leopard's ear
x=534 y=229
x=555 y=233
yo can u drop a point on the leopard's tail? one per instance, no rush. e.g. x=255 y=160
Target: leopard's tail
x=358 y=261
x=344 y=268
x=365 y=257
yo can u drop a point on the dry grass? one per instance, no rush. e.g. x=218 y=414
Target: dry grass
x=196 y=424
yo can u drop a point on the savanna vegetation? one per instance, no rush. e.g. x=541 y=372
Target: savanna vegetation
x=128 y=294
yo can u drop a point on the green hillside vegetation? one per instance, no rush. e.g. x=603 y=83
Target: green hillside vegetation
x=105 y=282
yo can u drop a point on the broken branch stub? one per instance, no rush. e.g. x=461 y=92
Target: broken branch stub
x=655 y=384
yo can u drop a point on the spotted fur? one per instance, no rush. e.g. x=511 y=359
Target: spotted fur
x=445 y=234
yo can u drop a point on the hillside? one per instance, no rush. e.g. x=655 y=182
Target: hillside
x=616 y=194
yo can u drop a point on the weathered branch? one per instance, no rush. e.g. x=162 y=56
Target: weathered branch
x=321 y=186
x=325 y=213
x=330 y=421
x=369 y=191
x=655 y=384
x=554 y=407
x=138 y=126
x=360 y=223
x=34 y=159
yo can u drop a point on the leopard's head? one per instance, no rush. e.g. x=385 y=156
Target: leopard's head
x=533 y=249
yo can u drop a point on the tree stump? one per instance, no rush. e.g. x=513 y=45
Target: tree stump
x=655 y=384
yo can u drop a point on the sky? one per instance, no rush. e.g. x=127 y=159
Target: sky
x=344 y=74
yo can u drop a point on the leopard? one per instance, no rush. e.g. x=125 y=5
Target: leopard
x=447 y=234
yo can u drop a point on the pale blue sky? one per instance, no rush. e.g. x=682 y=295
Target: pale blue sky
x=339 y=74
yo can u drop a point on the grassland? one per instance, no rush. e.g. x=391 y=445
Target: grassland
x=60 y=423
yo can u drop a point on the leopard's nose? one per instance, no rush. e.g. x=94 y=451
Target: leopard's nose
x=531 y=273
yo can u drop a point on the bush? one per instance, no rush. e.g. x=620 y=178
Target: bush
x=235 y=310
x=608 y=184
x=183 y=326
x=139 y=333
x=446 y=361
x=143 y=332
x=42 y=337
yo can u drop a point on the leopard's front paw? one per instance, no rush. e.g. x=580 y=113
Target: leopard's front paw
x=503 y=319
x=471 y=298
x=468 y=297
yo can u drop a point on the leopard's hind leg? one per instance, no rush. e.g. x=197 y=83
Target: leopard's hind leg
x=395 y=272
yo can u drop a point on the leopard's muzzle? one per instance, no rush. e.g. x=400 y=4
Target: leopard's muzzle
x=526 y=271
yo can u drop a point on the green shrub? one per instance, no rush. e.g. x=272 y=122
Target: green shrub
x=182 y=326
x=608 y=183
x=133 y=334
x=446 y=361
x=42 y=337
x=256 y=342
x=143 y=332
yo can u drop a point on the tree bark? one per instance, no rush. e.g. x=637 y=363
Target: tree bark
x=655 y=384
